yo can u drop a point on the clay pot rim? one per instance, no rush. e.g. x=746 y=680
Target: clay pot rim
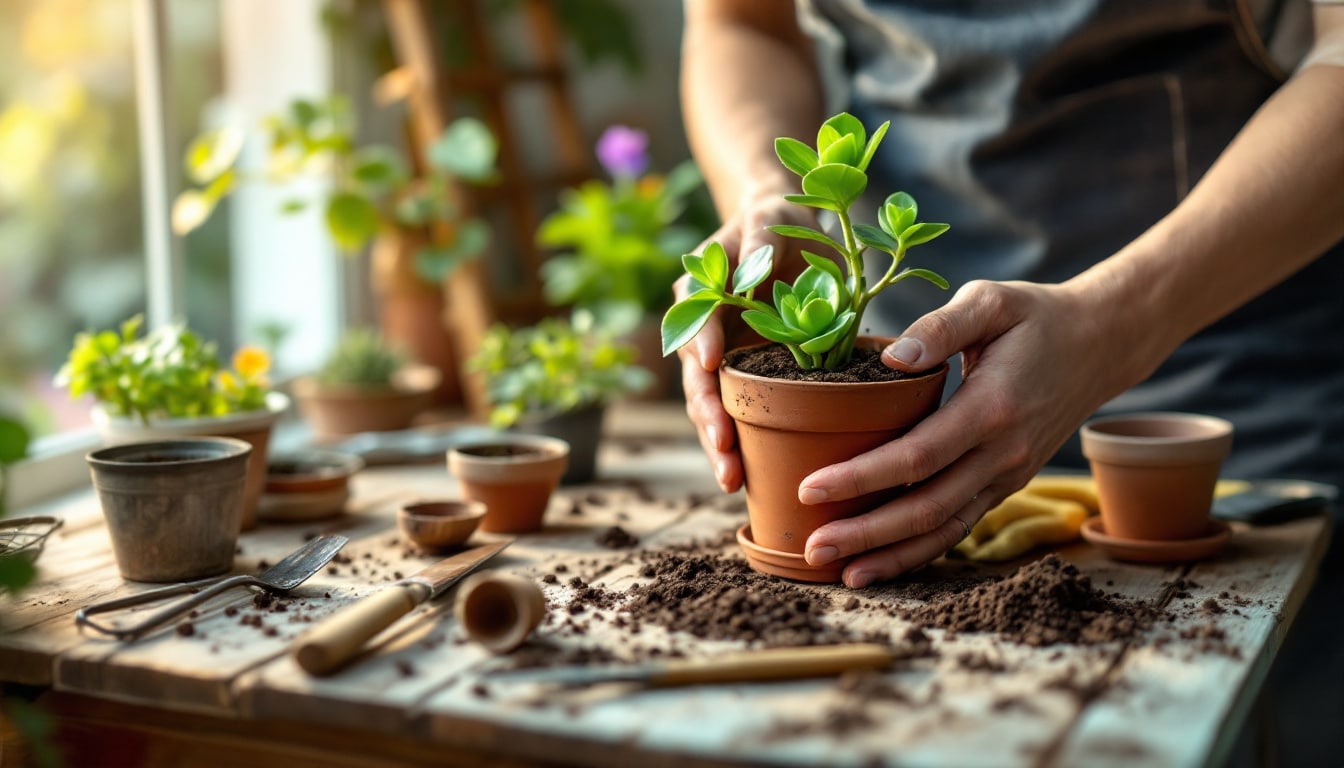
x=937 y=370
x=224 y=449
x=330 y=469
x=463 y=509
x=255 y=420
x=1209 y=439
x=549 y=448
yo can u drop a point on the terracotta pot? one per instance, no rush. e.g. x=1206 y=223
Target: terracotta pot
x=499 y=610
x=788 y=429
x=311 y=484
x=253 y=426
x=335 y=411
x=172 y=506
x=435 y=525
x=514 y=475
x=1155 y=472
x=647 y=340
x=581 y=428
x=411 y=311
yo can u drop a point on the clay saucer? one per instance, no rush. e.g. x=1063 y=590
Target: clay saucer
x=1143 y=551
x=786 y=564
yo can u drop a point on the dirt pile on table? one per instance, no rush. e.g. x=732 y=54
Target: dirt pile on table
x=1045 y=602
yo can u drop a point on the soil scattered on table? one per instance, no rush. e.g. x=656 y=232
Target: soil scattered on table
x=617 y=537
x=1042 y=603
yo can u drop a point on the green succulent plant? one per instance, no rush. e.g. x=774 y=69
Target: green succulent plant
x=817 y=317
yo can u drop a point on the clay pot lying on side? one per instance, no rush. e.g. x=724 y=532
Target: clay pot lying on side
x=499 y=610
x=514 y=475
x=172 y=506
x=786 y=430
x=1156 y=472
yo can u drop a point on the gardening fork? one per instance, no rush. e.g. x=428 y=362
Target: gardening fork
x=281 y=577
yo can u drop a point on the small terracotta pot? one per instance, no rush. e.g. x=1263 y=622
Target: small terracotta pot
x=338 y=411
x=172 y=506
x=254 y=427
x=514 y=475
x=1155 y=472
x=499 y=610
x=581 y=428
x=786 y=430
x=411 y=311
x=435 y=525
x=307 y=485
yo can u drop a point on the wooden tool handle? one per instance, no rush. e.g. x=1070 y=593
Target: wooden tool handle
x=774 y=664
x=329 y=645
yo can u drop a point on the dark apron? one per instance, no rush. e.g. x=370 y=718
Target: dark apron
x=1050 y=133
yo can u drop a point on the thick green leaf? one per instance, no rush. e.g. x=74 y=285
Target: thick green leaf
x=904 y=219
x=826 y=136
x=845 y=123
x=932 y=277
x=753 y=270
x=378 y=167
x=466 y=149
x=815 y=315
x=845 y=151
x=806 y=233
x=771 y=328
x=685 y=319
x=715 y=266
x=871 y=149
x=779 y=291
x=788 y=311
x=823 y=343
x=352 y=220
x=840 y=183
x=795 y=155
x=694 y=264
x=875 y=238
x=13 y=441
x=818 y=282
x=434 y=264
x=825 y=265
x=812 y=201
x=902 y=200
x=922 y=233
x=16 y=572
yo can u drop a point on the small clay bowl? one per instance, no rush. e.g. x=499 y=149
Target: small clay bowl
x=435 y=525
x=307 y=485
x=787 y=564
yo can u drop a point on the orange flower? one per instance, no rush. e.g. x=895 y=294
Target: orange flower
x=649 y=186
x=251 y=362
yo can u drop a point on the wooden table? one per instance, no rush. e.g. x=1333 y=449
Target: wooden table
x=229 y=694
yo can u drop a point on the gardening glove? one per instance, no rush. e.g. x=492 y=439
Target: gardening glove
x=1050 y=509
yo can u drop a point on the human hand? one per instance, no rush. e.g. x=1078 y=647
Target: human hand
x=743 y=233
x=1036 y=362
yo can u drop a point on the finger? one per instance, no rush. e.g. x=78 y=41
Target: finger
x=919 y=511
x=714 y=426
x=940 y=439
x=904 y=556
x=978 y=313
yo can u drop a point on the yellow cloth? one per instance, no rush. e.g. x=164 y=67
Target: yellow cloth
x=1050 y=509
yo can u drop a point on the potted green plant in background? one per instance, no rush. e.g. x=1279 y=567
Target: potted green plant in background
x=170 y=383
x=556 y=378
x=375 y=199
x=619 y=244
x=365 y=385
x=805 y=399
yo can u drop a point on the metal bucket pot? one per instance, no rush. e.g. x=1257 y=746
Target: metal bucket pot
x=172 y=506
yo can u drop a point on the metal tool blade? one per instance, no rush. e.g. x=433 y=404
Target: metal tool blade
x=569 y=676
x=444 y=573
x=303 y=562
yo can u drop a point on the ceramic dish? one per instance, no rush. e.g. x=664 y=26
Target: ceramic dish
x=1141 y=551
x=435 y=525
x=307 y=485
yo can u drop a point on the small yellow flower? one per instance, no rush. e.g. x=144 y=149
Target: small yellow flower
x=227 y=381
x=251 y=362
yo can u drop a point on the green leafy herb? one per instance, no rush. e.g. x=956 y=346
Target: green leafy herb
x=362 y=359
x=818 y=316
x=554 y=367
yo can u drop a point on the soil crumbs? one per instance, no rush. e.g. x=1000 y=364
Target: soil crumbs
x=1042 y=603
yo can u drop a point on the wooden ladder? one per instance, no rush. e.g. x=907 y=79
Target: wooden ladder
x=432 y=90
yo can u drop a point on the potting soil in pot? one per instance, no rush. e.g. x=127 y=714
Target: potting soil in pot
x=776 y=362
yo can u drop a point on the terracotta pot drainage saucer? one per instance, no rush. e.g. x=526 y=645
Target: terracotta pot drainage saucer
x=786 y=564
x=1143 y=551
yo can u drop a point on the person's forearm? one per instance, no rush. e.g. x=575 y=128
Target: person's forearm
x=1270 y=205
x=747 y=77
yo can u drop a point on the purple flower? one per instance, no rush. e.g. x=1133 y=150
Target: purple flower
x=623 y=151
